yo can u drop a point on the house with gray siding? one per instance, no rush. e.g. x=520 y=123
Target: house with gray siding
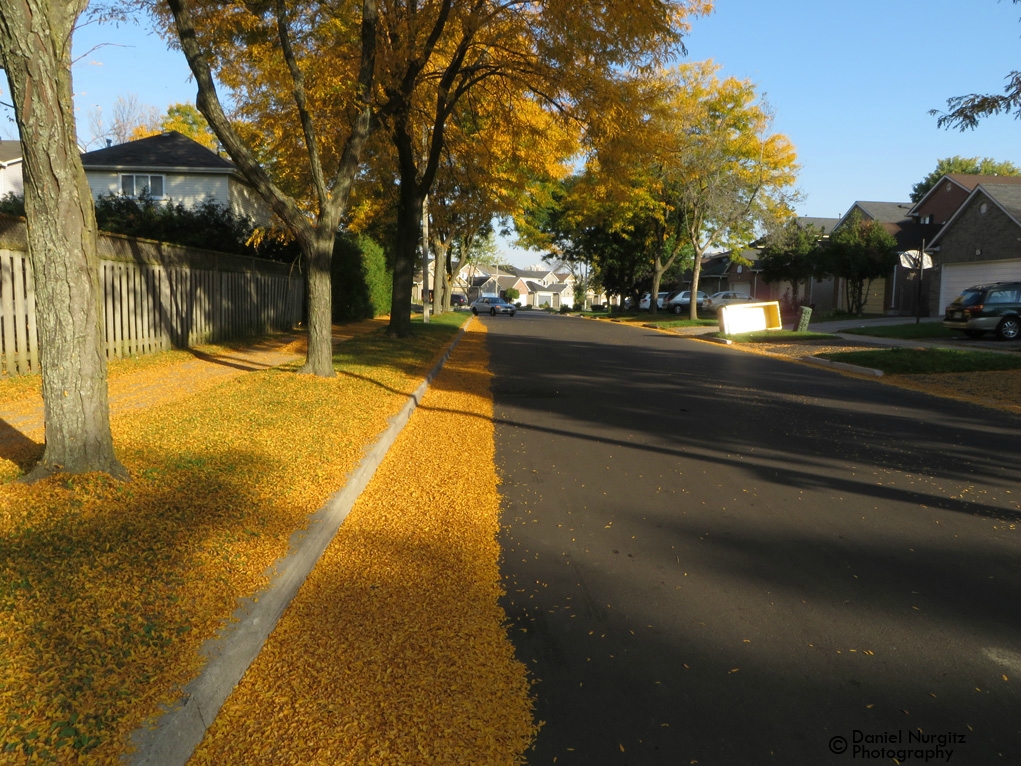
x=172 y=167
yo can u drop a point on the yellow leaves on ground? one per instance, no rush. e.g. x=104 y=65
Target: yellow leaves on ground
x=393 y=652
x=107 y=590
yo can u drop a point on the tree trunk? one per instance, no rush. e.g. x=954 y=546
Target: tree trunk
x=35 y=50
x=696 y=272
x=318 y=256
x=657 y=277
x=409 y=210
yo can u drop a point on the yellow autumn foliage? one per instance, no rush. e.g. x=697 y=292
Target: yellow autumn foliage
x=107 y=589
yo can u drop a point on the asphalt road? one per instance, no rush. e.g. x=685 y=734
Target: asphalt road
x=719 y=558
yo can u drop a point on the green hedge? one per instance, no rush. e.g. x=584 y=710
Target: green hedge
x=362 y=283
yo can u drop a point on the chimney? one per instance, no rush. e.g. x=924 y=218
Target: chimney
x=109 y=143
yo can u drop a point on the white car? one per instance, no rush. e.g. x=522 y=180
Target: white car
x=645 y=304
x=726 y=298
x=493 y=306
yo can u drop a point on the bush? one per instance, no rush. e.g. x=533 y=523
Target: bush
x=12 y=204
x=210 y=226
x=362 y=284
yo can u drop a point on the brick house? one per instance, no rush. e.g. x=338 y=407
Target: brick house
x=980 y=243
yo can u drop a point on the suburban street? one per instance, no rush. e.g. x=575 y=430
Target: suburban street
x=713 y=557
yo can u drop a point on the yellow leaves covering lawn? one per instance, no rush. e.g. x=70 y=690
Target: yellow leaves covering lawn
x=107 y=590
x=394 y=651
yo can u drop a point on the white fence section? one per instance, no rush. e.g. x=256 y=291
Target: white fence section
x=155 y=297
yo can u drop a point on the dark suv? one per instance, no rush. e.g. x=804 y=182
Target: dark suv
x=987 y=308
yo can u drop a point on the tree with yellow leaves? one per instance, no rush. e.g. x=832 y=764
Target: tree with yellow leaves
x=703 y=166
x=184 y=119
x=563 y=55
x=301 y=77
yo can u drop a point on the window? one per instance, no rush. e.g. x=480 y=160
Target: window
x=137 y=185
x=1002 y=296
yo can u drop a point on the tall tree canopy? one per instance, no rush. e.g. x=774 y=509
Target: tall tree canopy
x=300 y=76
x=35 y=52
x=984 y=166
x=703 y=167
x=183 y=118
x=565 y=57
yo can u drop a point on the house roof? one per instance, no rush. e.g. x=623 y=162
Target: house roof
x=167 y=151
x=715 y=265
x=895 y=219
x=9 y=151
x=1005 y=197
x=968 y=182
x=530 y=273
x=538 y=287
x=507 y=280
x=826 y=224
x=884 y=212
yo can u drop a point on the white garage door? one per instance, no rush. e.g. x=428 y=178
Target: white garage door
x=958 y=277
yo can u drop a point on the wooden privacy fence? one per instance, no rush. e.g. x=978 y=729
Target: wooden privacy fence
x=155 y=297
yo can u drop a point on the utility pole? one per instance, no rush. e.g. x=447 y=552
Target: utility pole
x=921 y=271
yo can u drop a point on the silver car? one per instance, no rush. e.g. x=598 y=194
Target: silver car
x=493 y=306
x=682 y=301
x=717 y=300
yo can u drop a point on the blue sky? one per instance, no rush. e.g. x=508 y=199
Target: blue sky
x=850 y=84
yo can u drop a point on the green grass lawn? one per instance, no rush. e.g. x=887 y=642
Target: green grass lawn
x=908 y=331
x=914 y=361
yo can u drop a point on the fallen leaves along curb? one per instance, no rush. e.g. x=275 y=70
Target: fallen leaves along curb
x=108 y=590
x=394 y=650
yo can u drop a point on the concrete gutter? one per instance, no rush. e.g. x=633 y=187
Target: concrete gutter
x=179 y=731
x=842 y=366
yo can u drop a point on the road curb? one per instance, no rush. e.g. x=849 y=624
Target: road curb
x=176 y=734
x=843 y=366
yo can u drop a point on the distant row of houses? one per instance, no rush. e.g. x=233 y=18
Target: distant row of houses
x=970 y=226
x=537 y=287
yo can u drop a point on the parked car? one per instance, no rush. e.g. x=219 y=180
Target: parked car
x=493 y=306
x=681 y=302
x=458 y=301
x=726 y=298
x=645 y=304
x=980 y=309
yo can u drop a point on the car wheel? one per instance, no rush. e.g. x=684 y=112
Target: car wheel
x=475 y=311
x=492 y=312
x=1009 y=328
x=513 y=313
x=678 y=308
x=974 y=333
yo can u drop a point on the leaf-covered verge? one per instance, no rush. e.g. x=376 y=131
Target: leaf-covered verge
x=107 y=589
x=777 y=336
x=394 y=650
